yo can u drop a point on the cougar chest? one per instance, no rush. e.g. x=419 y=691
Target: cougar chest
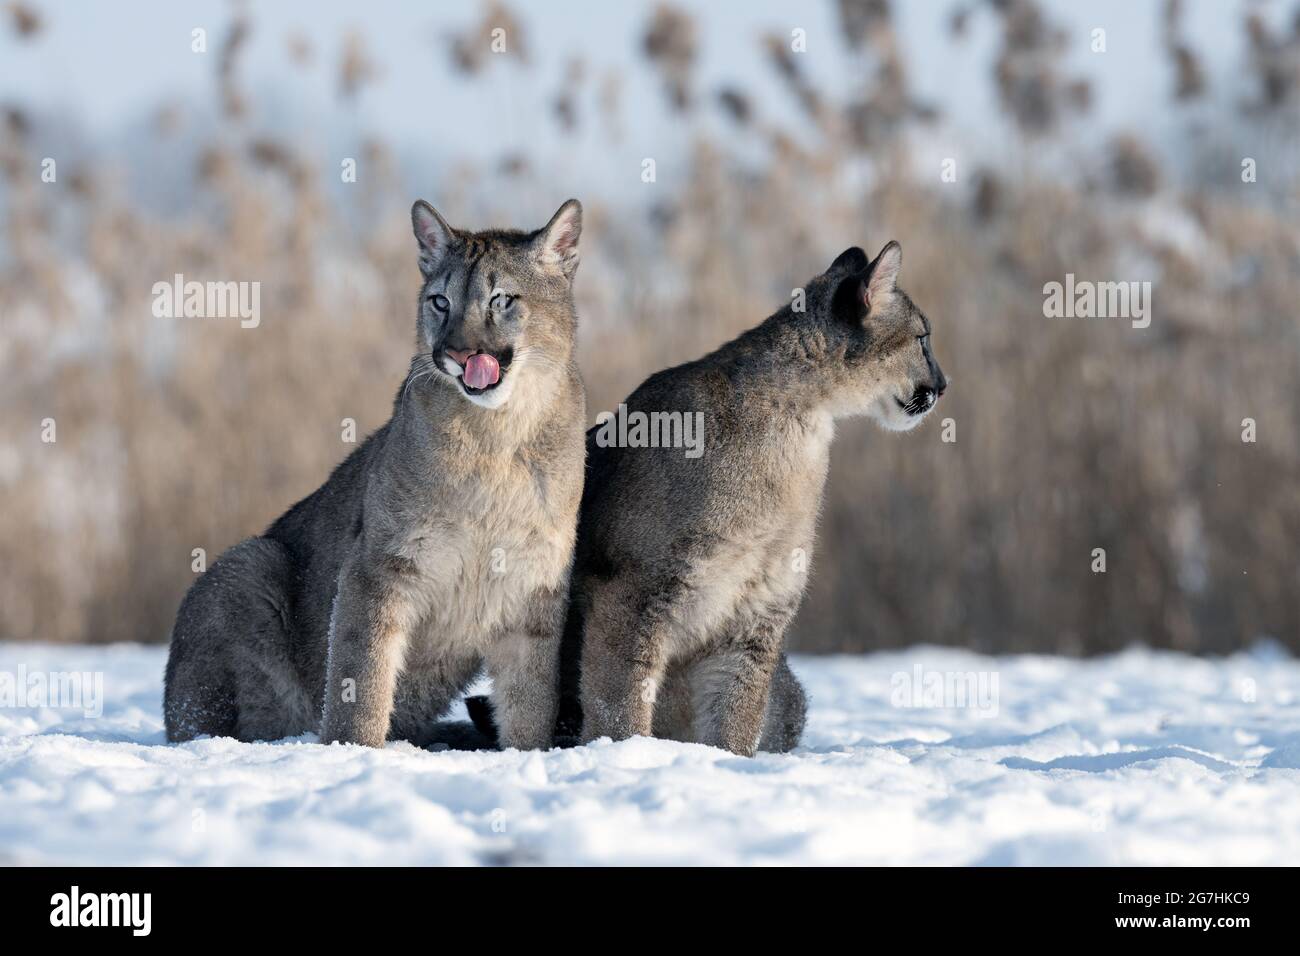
x=482 y=552
x=759 y=564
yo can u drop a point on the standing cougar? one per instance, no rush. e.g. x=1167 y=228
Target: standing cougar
x=444 y=542
x=689 y=567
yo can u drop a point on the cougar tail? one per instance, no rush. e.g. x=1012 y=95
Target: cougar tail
x=480 y=716
x=462 y=734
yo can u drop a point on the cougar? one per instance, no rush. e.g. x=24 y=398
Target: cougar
x=441 y=546
x=690 y=567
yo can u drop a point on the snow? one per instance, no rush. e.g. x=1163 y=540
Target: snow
x=1140 y=758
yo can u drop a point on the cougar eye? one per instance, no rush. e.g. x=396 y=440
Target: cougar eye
x=440 y=302
x=501 y=300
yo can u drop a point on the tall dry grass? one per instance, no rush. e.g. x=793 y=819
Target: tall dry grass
x=1071 y=435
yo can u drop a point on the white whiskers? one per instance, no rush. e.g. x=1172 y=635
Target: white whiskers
x=419 y=370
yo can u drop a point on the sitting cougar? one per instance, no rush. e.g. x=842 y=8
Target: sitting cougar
x=689 y=567
x=442 y=544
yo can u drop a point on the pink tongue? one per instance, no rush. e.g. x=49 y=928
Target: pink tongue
x=481 y=370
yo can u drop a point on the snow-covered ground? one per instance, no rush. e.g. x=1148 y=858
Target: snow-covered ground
x=1144 y=758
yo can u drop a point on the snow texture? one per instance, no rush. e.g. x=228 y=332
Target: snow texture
x=1139 y=758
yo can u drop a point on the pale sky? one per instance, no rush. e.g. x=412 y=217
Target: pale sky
x=107 y=66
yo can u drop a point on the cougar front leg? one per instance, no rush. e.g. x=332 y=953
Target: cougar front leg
x=622 y=666
x=367 y=643
x=730 y=687
x=525 y=669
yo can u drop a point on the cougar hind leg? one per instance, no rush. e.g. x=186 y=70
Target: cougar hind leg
x=787 y=711
x=783 y=718
x=229 y=669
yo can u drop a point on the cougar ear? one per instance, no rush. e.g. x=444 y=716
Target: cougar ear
x=852 y=259
x=883 y=278
x=556 y=244
x=434 y=235
x=849 y=303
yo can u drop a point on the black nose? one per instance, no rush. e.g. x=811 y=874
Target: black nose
x=940 y=383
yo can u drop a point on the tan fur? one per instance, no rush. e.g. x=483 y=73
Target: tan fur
x=689 y=570
x=442 y=546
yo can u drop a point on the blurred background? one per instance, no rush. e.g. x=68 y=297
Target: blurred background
x=781 y=133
